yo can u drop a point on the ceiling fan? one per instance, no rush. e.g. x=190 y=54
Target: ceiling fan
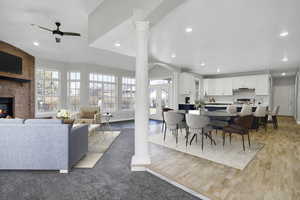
x=58 y=34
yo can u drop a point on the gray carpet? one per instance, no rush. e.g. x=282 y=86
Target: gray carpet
x=111 y=179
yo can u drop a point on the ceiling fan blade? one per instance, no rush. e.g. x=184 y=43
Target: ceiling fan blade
x=71 y=34
x=46 y=29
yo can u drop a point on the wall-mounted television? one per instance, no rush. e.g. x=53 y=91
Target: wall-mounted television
x=10 y=63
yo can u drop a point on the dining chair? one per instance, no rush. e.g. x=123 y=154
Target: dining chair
x=260 y=117
x=273 y=115
x=218 y=123
x=163 y=126
x=173 y=122
x=198 y=124
x=241 y=126
x=231 y=109
x=246 y=110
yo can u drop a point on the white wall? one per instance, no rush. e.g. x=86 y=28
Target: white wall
x=298 y=97
x=85 y=69
x=158 y=72
x=284 y=95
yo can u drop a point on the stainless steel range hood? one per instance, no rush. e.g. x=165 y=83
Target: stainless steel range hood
x=244 y=90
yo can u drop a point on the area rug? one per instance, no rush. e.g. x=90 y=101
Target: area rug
x=99 y=143
x=231 y=155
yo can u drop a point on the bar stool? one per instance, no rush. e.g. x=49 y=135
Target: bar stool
x=231 y=109
x=246 y=110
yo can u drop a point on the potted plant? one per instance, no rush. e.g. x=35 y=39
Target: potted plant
x=199 y=104
x=63 y=114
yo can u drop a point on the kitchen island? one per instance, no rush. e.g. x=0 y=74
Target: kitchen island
x=218 y=106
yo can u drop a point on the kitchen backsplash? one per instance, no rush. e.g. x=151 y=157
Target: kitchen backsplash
x=264 y=99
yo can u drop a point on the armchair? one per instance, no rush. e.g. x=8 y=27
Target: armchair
x=88 y=115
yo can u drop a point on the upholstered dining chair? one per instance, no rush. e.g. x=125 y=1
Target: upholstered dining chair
x=231 y=109
x=241 y=126
x=260 y=117
x=246 y=110
x=198 y=124
x=163 y=126
x=273 y=115
x=173 y=122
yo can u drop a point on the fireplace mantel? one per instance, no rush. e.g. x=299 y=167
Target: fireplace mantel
x=21 y=80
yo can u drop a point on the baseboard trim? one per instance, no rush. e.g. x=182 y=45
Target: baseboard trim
x=138 y=168
x=118 y=120
x=192 y=192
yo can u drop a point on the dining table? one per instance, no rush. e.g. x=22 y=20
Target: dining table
x=218 y=119
x=210 y=114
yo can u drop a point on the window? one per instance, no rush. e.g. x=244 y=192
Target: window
x=128 y=93
x=103 y=91
x=48 y=90
x=74 y=90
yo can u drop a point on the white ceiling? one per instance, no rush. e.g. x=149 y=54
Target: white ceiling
x=16 y=17
x=233 y=35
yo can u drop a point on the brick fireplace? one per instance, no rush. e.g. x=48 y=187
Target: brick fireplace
x=17 y=90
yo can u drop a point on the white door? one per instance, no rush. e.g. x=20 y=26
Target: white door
x=159 y=98
x=284 y=95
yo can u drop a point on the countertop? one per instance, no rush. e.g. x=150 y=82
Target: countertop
x=218 y=105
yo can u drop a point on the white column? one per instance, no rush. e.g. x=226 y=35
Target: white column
x=64 y=89
x=141 y=149
x=84 y=87
x=175 y=90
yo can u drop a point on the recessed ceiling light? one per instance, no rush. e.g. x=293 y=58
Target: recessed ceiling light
x=188 y=29
x=173 y=55
x=283 y=74
x=36 y=44
x=218 y=70
x=284 y=59
x=117 y=44
x=284 y=34
x=202 y=64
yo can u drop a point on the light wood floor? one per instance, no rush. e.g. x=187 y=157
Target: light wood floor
x=274 y=174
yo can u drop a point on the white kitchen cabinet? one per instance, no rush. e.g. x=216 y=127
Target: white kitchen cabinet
x=262 y=85
x=218 y=86
x=205 y=87
x=186 y=84
x=243 y=82
x=224 y=86
x=211 y=87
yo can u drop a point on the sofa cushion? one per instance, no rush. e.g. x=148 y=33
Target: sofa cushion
x=11 y=121
x=43 y=121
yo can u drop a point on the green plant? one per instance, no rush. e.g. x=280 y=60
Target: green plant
x=199 y=104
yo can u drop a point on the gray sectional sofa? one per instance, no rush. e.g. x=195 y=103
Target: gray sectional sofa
x=39 y=144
